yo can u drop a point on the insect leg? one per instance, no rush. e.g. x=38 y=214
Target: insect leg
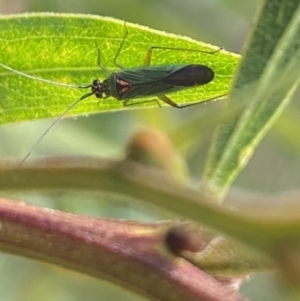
x=116 y=56
x=99 y=60
x=170 y=102
x=120 y=48
x=149 y=53
x=127 y=104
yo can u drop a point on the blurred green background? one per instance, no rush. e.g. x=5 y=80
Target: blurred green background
x=273 y=168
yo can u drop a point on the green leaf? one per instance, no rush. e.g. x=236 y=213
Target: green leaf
x=61 y=48
x=268 y=75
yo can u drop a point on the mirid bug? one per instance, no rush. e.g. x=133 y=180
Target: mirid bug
x=138 y=82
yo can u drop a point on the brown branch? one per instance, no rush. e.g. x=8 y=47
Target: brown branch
x=129 y=254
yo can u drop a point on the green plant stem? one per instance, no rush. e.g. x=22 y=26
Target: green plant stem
x=154 y=188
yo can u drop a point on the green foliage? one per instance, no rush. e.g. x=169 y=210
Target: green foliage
x=267 y=78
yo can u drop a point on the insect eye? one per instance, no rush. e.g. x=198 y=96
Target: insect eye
x=96 y=82
x=98 y=94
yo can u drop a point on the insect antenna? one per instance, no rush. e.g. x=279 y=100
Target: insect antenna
x=57 y=120
x=61 y=115
x=37 y=78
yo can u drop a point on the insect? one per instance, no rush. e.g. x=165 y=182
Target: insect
x=138 y=82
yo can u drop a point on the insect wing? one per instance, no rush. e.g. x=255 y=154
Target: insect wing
x=190 y=75
x=150 y=80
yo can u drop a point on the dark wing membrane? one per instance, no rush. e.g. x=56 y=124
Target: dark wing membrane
x=190 y=75
x=156 y=80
